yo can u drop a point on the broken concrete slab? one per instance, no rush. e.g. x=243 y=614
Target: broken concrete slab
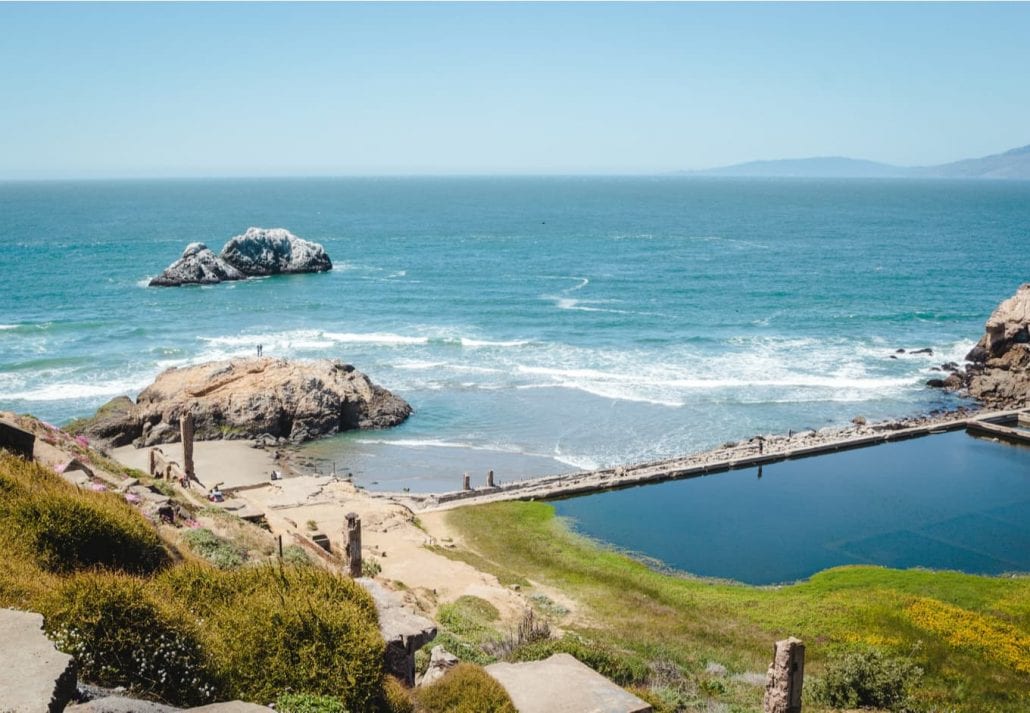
x=230 y=707
x=118 y=704
x=562 y=684
x=403 y=631
x=16 y=439
x=34 y=676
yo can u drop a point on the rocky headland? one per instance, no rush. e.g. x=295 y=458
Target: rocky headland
x=252 y=398
x=257 y=253
x=998 y=370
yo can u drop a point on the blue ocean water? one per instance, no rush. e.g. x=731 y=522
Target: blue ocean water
x=947 y=501
x=537 y=325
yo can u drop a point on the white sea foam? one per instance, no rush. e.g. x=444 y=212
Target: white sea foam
x=70 y=391
x=380 y=338
x=8 y=326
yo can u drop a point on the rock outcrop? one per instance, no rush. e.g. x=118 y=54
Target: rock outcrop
x=35 y=677
x=197 y=266
x=998 y=373
x=250 y=398
x=256 y=253
x=275 y=251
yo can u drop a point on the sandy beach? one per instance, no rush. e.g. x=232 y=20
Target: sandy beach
x=229 y=464
x=298 y=506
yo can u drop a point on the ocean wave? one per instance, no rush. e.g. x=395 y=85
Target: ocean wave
x=72 y=391
x=4 y=327
x=321 y=339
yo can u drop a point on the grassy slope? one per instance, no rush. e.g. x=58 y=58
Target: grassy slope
x=971 y=634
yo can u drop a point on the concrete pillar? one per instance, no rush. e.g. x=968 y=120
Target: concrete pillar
x=785 y=677
x=490 y=479
x=354 y=544
x=186 y=432
x=466 y=484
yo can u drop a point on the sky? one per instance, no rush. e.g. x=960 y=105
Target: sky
x=237 y=89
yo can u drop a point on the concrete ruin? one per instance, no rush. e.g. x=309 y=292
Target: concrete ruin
x=403 y=631
x=353 y=540
x=34 y=676
x=785 y=678
x=16 y=439
x=563 y=684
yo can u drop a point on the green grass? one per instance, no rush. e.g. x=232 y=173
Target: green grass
x=216 y=550
x=970 y=634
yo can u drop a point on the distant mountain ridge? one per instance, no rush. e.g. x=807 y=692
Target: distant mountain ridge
x=1013 y=164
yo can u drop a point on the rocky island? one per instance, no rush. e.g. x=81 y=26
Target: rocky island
x=257 y=253
x=246 y=399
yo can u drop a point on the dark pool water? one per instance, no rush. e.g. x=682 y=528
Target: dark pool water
x=946 y=501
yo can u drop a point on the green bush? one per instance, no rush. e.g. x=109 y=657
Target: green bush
x=621 y=668
x=216 y=550
x=270 y=629
x=396 y=697
x=865 y=679
x=296 y=555
x=64 y=529
x=121 y=636
x=307 y=703
x=465 y=689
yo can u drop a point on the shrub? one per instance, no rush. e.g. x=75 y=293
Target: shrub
x=63 y=529
x=865 y=679
x=121 y=636
x=621 y=668
x=216 y=550
x=296 y=555
x=270 y=629
x=307 y=703
x=465 y=689
x=396 y=697
x=370 y=567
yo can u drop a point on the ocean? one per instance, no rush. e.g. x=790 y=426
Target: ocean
x=537 y=325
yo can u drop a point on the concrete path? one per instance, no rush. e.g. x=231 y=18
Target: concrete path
x=561 y=684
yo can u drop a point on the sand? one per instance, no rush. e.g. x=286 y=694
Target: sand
x=390 y=534
x=229 y=463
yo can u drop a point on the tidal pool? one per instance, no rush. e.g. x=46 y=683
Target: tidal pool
x=946 y=501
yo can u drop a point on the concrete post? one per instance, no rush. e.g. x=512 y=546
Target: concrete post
x=354 y=544
x=186 y=426
x=490 y=479
x=785 y=678
x=466 y=484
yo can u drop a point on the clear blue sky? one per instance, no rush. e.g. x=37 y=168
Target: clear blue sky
x=316 y=89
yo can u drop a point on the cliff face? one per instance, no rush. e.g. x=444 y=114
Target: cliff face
x=247 y=398
x=998 y=374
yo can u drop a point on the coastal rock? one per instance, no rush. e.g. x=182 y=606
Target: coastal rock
x=274 y=251
x=440 y=662
x=197 y=266
x=999 y=373
x=252 y=398
x=113 y=423
x=1009 y=324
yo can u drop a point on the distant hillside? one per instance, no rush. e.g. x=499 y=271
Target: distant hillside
x=1014 y=164
x=1011 y=164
